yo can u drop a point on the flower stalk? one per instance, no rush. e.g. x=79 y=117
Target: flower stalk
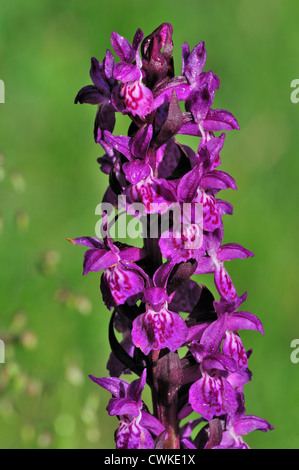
x=179 y=338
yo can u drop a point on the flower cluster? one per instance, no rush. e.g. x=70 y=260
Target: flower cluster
x=177 y=338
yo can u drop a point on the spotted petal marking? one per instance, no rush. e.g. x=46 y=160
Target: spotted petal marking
x=224 y=283
x=123 y=283
x=130 y=435
x=182 y=246
x=233 y=347
x=211 y=217
x=212 y=396
x=151 y=194
x=157 y=330
x=137 y=98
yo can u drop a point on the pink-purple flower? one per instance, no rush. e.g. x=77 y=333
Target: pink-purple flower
x=180 y=340
x=137 y=428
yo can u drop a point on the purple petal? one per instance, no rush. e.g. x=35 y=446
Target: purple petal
x=210 y=151
x=224 y=207
x=158 y=330
x=155 y=295
x=251 y=423
x=157 y=195
x=190 y=128
x=136 y=387
x=211 y=216
x=123 y=283
x=214 y=240
x=131 y=253
x=183 y=246
x=185 y=55
x=97 y=260
x=196 y=349
x=105 y=120
x=151 y=423
x=205 y=265
x=106 y=293
x=189 y=183
x=224 y=284
x=224 y=306
x=229 y=442
x=108 y=66
x=133 y=97
x=217 y=179
x=117 y=387
x=195 y=63
x=232 y=251
x=233 y=347
x=181 y=87
x=91 y=95
x=141 y=141
x=168 y=157
x=122 y=47
x=126 y=72
x=188 y=444
x=137 y=39
x=91 y=242
x=119 y=142
x=131 y=435
x=239 y=378
x=136 y=171
x=98 y=78
x=220 y=120
x=202 y=100
x=244 y=321
x=219 y=361
x=213 y=335
x=162 y=274
x=123 y=406
x=195 y=333
x=211 y=397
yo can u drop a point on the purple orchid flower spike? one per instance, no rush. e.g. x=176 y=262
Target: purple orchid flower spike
x=165 y=326
x=137 y=427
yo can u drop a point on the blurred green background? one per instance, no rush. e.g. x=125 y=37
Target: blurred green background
x=52 y=318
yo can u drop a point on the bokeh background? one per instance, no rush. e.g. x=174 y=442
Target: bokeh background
x=52 y=319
